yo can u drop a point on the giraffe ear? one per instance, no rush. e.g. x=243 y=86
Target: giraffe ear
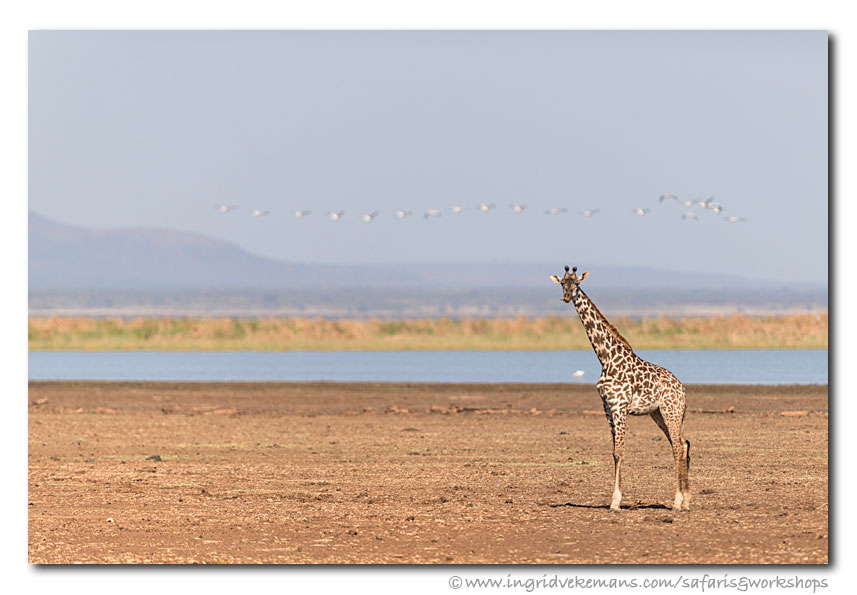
x=555 y=279
x=583 y=276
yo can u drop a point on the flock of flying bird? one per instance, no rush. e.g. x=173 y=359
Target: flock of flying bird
x=707 y=205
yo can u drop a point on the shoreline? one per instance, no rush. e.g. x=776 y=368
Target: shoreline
x=560 y=398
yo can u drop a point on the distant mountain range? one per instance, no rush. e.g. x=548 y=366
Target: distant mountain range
x=72 y=268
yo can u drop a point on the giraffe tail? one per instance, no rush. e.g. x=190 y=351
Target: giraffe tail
x=687 y=453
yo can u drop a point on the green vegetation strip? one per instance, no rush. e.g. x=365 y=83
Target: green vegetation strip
x=798 y=331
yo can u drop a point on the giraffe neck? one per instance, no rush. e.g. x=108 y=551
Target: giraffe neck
x=604 y=337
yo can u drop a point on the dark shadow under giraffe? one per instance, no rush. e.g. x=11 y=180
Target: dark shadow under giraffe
x=629 y=385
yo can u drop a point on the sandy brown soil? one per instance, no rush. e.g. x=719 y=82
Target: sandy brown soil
x=421 y=473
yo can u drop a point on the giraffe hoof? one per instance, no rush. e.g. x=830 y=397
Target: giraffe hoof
x=613 y=510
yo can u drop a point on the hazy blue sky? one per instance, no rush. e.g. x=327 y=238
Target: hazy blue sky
x=159 y=128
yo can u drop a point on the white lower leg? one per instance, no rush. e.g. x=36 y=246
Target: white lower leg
x=617 y=485
x=679 y=500
x=617 y=500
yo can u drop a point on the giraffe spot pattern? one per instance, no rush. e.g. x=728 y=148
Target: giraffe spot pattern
x=629 y=385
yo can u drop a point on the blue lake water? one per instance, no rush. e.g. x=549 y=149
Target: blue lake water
x=690 y=366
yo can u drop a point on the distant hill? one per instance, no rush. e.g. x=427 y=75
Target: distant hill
x=65 y=257
x=73 y=269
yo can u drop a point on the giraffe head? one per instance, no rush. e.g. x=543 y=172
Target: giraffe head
x=569 y=282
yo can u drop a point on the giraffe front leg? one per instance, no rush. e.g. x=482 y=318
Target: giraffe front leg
x=618 y=417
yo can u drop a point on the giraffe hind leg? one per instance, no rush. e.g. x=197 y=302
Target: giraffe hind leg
x=659 y=419
x=672 y=427
x=684 y=479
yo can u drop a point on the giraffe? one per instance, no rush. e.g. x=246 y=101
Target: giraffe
x=630 y=385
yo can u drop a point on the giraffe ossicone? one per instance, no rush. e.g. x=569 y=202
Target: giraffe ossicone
x=629 y=385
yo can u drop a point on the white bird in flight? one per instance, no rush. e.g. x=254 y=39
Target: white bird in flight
x=578 y=374
x=226 y=208
x=556 y=210
x=589 y=212
x=689 y=203
x=519 y=208
x=667 y=196
x=642 y=212
x=431 y=213
x=457 y=209
x=369 y=216
x=302 y=214
x=706 y=204
x=734 y=219
x=403 y=214
x=261 y=213
x=336 y=216
x=486 y=207
x=689 y=215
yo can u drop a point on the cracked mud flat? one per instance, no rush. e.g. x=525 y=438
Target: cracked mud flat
x=416 y=473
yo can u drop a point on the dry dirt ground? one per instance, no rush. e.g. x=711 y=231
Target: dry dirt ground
x=416 y=473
